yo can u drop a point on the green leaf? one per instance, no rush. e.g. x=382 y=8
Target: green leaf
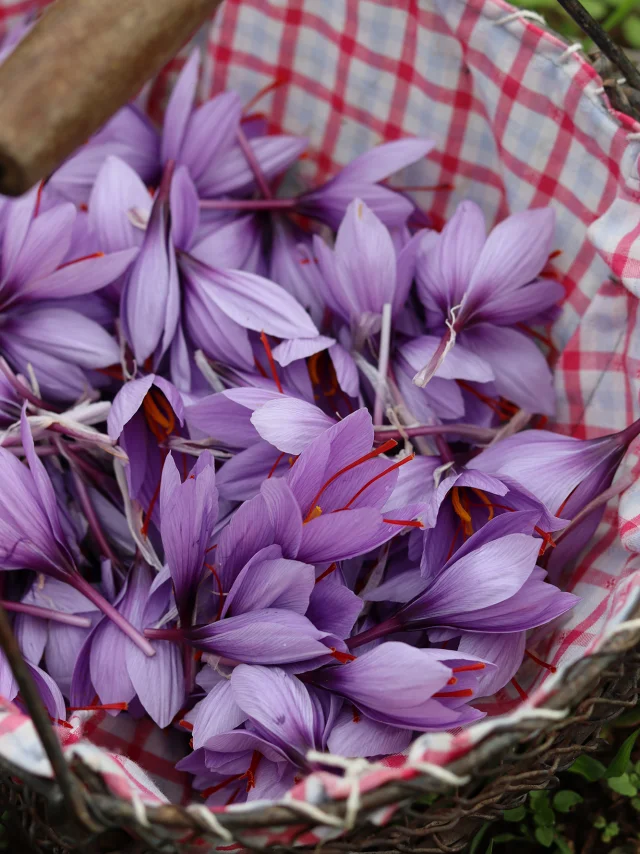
x=610 y=831
x=565 y=800
x=490 y=848
x=635 y=803
x=623 y=786
x=589 y=768
x=618 y=764
x=477 y=839
x=544 y=817
x=563 y=847
x=596 y=8
x=505 y=837
x=516 y=814
x=599 y=822
x=539 y=799
x=545 y=836
x=631 y=30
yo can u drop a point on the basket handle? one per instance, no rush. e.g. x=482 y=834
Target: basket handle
x=71 y=792
x=82 y=61
x=602 y=39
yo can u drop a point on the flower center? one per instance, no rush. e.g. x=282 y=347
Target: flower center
x=249 y=775
x=158 y=414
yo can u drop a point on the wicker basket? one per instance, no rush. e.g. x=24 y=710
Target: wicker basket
x=520 y=119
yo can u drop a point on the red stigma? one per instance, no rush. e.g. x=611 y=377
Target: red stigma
x=341 y=657
x=220 y=591
x=186 y=725
x=100 y=707
x=266 y=90
x=405 y=523
x=387 y=446
x=84 y=258
x=539 y=661
x=464 y=692
x=356 y=715
x=272 y=364
x=36 y=209
x=468 y=667
x=327 y=571
x=378 y=477
x=275 y=465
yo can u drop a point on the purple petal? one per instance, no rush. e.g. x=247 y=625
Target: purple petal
x=185 y=209
x=344 y=534
x=333 y=608
x=16 y=229
x=279 y=705
x=79 y=277
x=300 y=348
x=284 y=515
x=346 y=370
x=233 y=173
x=269 y=636
x=521 y=372
x=230 y=246
x=217 y=713
x=218 y=417
x=211 y=132
x=363 y=736
x=458 y=364
x=50 y=693
x=179 y=109
x=514 y=254
x=329 y=203
x=279 y=583
x=249 y=530
x=523 y=304
x=384 y=160
x=240 y=477
x=506 y=651
x=117 y=190
x=46 y=244
x=446 y=263
x=256 y=303
x=289 y=424
x=126 y=403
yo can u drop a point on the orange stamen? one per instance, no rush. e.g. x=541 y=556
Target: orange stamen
x=84 y=258
x=275 y=465
x=546 y=665
x=485 y=500
x=390 y=443
x=342 y=657
x=327 y=571
x=312 y=367
x=186 y=725
x=272 y=363
x=219 y=585
x=464 y=692
x=378 y=477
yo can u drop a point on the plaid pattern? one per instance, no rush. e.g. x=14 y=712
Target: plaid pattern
x=519 y=122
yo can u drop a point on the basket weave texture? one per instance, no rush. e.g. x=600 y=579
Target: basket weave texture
x=520 y=120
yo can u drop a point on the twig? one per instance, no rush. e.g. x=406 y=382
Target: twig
x=606 y=44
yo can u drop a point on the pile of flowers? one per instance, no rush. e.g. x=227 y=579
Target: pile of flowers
x=274 y=468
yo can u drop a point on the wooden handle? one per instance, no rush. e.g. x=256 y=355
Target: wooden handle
x=82 y=61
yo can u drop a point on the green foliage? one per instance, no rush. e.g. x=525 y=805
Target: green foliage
x=545 y=836
x=516 y=814
x=620 y=761
x=589 y=768
x=623 y=786
x=565 y=800
x=621 y=18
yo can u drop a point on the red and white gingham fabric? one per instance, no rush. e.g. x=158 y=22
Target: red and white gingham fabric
x=519 y=121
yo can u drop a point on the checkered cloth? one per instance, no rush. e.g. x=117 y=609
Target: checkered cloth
x=520 y=120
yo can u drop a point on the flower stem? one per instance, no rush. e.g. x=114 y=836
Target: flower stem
x=164 y=634
x=46 y=614
x=469 y=431
x=252 y=160
x=83 y=586
x=379 y=631
x=247 y=204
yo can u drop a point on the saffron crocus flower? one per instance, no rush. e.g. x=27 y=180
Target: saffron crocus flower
x=400 y=686
x=204 y=139
x=33 y=535
x=564 y=473
x=182 y=281
x=477 y=289
x=360 y=179
x=41 y=330
x=330 y=505
x=144 y=414
x=284 y=721
x=115 y=669
x=188 y=513
x=491 y=584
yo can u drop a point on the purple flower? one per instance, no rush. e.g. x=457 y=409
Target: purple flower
x=476 y=289
x=33 y=534
x=359 y=180
x=183 y=281
x=143 y=416
x=39 y=275
x=400 y=686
